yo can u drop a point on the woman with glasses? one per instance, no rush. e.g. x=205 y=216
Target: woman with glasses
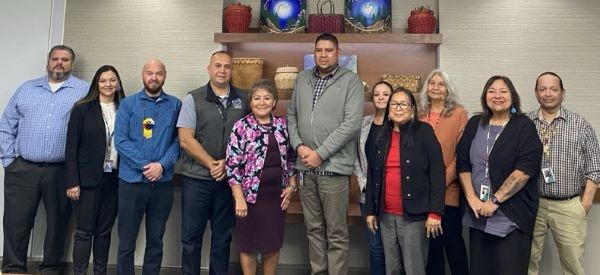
x=405 y=186
x=438 y=107
x=498 y=163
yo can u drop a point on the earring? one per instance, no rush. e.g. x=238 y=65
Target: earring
x=513 y=110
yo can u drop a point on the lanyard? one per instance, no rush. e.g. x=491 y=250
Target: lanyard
x=488 y=151
x=547 y=134
x=109 y=132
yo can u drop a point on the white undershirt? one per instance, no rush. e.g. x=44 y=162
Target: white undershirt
x=108 y=113
x=55 y=86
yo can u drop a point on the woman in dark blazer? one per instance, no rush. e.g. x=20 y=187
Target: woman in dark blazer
x=405 y=186
x=498 y=163
x=91 y=164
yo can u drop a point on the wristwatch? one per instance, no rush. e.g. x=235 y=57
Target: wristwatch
x=495 y=200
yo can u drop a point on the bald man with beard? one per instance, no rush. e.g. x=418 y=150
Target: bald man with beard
x=148 y=146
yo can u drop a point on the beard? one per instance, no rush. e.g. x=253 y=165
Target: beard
x=153 y=88
x=58 y=76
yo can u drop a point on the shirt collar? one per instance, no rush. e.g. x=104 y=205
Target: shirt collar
x=161 y=97
x=45 y=82
x=562 y=114
x=330 y=75
x=211 y=96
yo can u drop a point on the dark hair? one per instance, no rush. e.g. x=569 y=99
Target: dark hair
x=382 y=82
x=408 y=137
x=94 y=93
x=486 y=113
x=265 y=85
x=549 y=73
x=328 y=37
x=62 y=48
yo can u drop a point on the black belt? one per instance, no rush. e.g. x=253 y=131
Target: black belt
x=559 y=199
x=319 y=172
x=43 y=164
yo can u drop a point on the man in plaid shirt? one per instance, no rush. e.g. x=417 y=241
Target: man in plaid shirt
x=570 y=174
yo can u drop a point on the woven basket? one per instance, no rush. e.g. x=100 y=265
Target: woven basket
x=326 y=22
x=237 y=18
x=285 y=77
x=410 y=82
x=246 y=71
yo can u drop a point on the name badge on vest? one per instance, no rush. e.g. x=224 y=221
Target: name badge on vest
x=236 y=103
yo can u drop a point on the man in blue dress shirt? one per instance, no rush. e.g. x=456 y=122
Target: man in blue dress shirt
x=33 y=130
x=146 y=139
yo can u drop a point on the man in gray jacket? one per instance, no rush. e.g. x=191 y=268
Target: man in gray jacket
x=324 y=117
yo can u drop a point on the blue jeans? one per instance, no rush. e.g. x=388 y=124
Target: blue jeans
x=376 y=256
x=136 y=200
x=201 y=201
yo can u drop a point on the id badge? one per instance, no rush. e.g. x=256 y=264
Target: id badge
x=548 y=175
x=484 y=193
x=108 y=166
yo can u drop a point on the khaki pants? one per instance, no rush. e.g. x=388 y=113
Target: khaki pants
x=325 y=204
x=567 y=221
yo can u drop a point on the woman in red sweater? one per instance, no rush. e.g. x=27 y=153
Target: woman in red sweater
x=405 y=186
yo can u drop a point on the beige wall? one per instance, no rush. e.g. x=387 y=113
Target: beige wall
x=125 y=33
x=522 y=39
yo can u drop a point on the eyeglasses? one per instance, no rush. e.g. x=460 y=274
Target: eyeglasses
x=400 y=105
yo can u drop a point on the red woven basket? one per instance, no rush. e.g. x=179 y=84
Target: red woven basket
x=421 y=21
x=329 y=22
x=237 y=18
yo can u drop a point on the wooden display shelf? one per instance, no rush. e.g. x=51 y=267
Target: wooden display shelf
x=395 y=38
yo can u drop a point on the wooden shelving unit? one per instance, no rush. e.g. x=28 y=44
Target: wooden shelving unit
x=394 y=53
x=386 y=38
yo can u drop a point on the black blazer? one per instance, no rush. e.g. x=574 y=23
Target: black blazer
x=86 y=145
x=422 y=170
x=517 y=147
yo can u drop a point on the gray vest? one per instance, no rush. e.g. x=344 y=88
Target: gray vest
x=213 y=126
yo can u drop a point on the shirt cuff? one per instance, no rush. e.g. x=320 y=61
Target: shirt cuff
x=434 y=216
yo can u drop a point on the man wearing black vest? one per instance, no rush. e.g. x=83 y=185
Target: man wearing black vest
x=205 y=122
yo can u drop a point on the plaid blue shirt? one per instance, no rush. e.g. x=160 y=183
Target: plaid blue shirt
x=34 y=123
x=135 y=151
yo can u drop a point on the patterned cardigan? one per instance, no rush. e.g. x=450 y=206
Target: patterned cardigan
x=247 y=150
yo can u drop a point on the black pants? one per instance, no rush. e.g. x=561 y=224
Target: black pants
x=25 y=183
x=492 y=255
x=452 y=243
x=95 y=212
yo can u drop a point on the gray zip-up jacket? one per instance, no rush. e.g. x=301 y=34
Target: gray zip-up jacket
x=332 y=127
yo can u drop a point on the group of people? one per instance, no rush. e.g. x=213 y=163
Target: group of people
x=423 y=168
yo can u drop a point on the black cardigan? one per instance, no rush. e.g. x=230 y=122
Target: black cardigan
x=517 y=147
x=422 y=171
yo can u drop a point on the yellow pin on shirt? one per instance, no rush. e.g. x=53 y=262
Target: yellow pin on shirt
x=147 y=125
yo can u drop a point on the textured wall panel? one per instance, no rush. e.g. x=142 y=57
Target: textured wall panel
x=125 y=33
x=522 y=39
